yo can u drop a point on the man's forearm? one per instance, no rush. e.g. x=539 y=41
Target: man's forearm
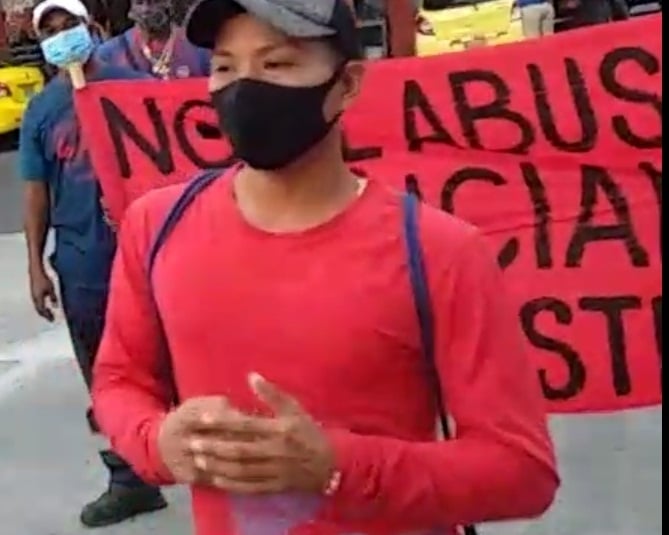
x=36 y=239
x=36 y=223
x=454 y=482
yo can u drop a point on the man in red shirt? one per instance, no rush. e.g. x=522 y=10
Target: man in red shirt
x=277 y=306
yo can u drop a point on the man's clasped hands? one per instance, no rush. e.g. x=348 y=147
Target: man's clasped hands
x=207 y=441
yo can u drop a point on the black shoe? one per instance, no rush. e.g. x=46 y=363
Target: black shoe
x=121 y=503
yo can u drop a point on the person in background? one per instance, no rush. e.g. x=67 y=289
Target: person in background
x=620 y=10
x=283 y=294
x=402 y=26
x=537 y=17
x=61 y=192
x=155 y=44
x=581 y=13
x=401 y=18
x=111 y=15
x=15 y=16
x=98 y=32
x=181 y=8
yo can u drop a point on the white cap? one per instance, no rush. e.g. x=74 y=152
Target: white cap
x=74 y=7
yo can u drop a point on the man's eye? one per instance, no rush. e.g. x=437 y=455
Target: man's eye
x=222 y=68
x=278 y=64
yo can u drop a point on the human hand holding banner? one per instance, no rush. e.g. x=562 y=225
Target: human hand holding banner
x=573 y=207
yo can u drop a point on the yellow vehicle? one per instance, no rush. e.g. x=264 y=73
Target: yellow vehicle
x=454 y=25
x=17 y=85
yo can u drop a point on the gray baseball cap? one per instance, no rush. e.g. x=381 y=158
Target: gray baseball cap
x=302 y=19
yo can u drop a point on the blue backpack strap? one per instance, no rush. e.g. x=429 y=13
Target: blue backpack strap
x=421 y=298
x=190 y=192
x=423 y=305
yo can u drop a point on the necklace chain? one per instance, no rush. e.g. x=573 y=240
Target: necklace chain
x=160 y=66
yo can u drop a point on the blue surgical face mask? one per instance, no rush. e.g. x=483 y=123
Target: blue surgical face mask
x=74 y=45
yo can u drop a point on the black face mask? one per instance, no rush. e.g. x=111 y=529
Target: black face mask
x=270 y=126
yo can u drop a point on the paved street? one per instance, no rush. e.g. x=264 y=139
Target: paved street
x=611 y=465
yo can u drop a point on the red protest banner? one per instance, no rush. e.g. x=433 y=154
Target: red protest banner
x=580 y=246
x=574 y=208
x=593 y=94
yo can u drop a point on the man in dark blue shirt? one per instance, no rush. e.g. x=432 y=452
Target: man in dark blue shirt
x=62 y=193
x=155 y=44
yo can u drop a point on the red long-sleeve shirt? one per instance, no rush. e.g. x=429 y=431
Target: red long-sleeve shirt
x=327 y=314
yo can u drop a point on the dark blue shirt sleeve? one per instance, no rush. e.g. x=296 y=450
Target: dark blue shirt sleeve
x=103 y=52
x=32 y=162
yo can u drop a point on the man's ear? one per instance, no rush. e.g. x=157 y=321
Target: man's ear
x=351 y=80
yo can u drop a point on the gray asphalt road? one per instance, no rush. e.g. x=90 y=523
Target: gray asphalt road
x=611 y=464
x=10 y=207
x=17 y=320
